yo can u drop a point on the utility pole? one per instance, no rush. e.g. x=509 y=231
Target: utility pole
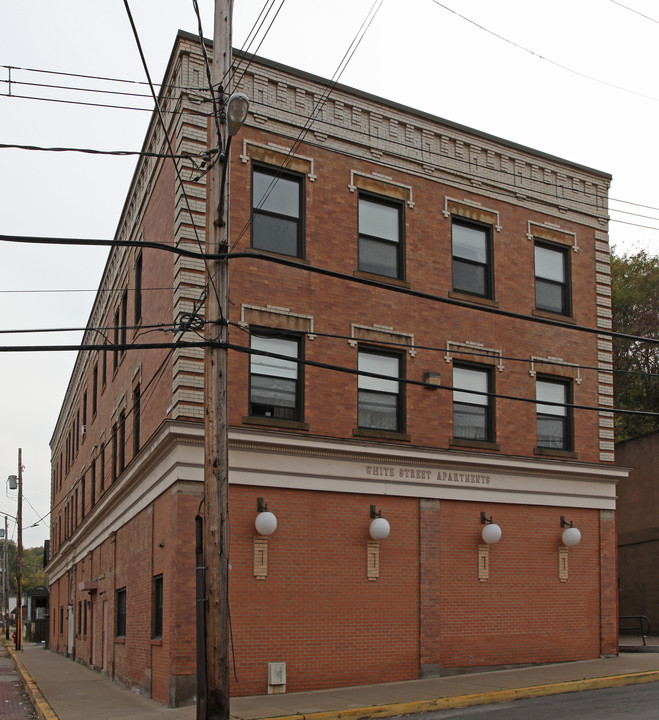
x=19 y=556
x=5 y=580
x=216 y=470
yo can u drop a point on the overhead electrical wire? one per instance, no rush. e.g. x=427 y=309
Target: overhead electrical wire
x=148 y=391
x=100 y=91
x=90 y=151
x=636 y=12
x=343 y=64
x=475 y=352
x=542 y=57
x=236 y=66
x=294 y=263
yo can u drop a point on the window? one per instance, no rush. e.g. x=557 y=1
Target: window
x=380 y=237
x=123 y=319
x=137 y=401
x=115 y=339
x=102 y=472
x=92 y=480
x=554 y=421
x=472 y=258
x=122 y=442
x=121 y=612
x=84 y=414
x=551 y=278
x=94 y=390
x=379 y=399
x=114 y=451
x=472 y=411
x=277 y=211
x=137 y=308
x=275 y=388
x=157 y=606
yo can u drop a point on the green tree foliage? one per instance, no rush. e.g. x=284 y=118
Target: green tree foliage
x=635 y=300
x=33 y=572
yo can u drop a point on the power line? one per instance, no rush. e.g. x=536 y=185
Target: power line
x=51 y=86
x=475 y=353
x=542 y=57
x=99 y=105
x=343 y=64
x=420 y=383
x=205 y=155
x=297 y=264
x=636 y=12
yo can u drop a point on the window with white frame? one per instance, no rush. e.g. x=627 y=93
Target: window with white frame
x=380 y=236
x=380 y=398
x=554 y=417
x=473 y=416
x=275 y=388
x=552 y=286
x=277 y=211
x=472 y=258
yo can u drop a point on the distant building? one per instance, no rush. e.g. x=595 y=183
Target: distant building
x=638 y=527
x=458 y=269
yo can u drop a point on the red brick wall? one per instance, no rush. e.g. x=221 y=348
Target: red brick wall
x=331 y=242
x=523 y=613
x=316 y=610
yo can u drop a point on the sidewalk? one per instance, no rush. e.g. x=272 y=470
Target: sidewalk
x=65 y=690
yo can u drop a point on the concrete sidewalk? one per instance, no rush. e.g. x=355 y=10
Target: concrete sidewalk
x=65 y=690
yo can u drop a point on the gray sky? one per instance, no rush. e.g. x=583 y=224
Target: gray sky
x=574 y=79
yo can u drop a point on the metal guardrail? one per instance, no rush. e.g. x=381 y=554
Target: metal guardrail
x=639 y=623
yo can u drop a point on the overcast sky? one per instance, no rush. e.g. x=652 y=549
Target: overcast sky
x=574 y=79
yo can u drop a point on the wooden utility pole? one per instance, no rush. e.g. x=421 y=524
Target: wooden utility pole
x=216 y=474
x=5 y=580
x=19 y=556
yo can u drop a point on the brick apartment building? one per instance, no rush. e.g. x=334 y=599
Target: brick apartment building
x=459 y=270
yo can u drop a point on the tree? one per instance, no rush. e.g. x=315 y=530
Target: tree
x=33 y=572
x=635 y=302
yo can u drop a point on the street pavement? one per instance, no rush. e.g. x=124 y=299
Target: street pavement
x=64 y=690
x=14 y=701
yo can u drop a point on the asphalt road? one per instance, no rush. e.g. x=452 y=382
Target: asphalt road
x=636 y=702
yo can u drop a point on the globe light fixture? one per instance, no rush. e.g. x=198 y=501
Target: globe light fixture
x=266 y=521
x=571 y=536
x=379 y=528
x=491 y=532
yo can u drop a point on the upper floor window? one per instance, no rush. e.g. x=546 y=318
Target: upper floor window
x=94 y=389
x=380 y=398
x=472 y=258
x=137 y=408
x=473 y=410
x=552 y=289
x=275 y=388
x=137 y=307
x=554 y=422
x=277 y=209
x=381 y=237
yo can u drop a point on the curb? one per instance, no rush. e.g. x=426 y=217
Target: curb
x=462 y=701
x=41 y=705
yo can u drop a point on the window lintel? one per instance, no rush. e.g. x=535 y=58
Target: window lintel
x=382 y=334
